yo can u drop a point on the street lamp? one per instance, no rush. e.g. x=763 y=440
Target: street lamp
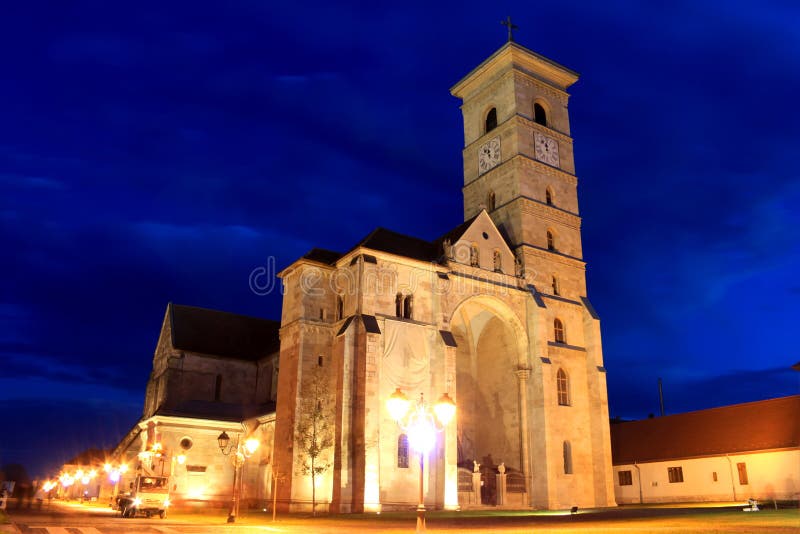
x=420 y=423
x=243 y=452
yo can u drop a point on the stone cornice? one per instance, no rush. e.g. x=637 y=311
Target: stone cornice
x=549 y=255
x=535 y=126
x=562 y=349
x=528 y=79
x=543 y=168
x=543 y=211
x=307 y=324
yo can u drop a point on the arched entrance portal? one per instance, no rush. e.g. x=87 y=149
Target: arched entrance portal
x=491 y=347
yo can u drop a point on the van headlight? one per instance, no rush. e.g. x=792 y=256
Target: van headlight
x=166 y=503
x=137 y=501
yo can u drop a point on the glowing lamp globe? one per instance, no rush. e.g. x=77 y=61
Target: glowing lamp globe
x=445 y=409
x=251 y=445
x=397 y=404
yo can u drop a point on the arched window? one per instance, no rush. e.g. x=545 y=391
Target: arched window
x=491 y=120
x=539 y=114
x=408 y=305
x=398 y=305
x=473 y=255
x=498 y=261
x=339 y=308
x=551 y=241
x=558 y=330
x=567 y=458
x=402 y=451
x=548 y=197
x=562 y=386
x=555 y=286
x=490 y=201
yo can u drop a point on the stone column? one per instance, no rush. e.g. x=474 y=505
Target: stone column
x=522 y=382
x=476 y=486
x=501 y=489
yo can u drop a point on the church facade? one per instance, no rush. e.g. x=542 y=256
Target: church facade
x=494 y=313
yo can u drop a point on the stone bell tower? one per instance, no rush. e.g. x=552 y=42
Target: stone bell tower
x=518 y=162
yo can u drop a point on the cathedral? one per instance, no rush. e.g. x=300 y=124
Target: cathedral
x=494 y=313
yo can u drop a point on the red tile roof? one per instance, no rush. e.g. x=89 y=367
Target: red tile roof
x=752 y=426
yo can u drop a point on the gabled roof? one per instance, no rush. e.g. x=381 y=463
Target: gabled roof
x=223 y=334
x=321 y=255
x=753 y=426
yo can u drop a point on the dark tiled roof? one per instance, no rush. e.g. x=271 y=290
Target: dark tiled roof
x=753 y=426
x=454 y=234
x=402 y=245
x=223 y=334
x=218 y=411
x=321 y=255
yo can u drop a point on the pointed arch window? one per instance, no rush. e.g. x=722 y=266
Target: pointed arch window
x=339 y=308
x=562 y=386
x=539 y=114
x=473 y=255
x=567 y=458
x=555 y=286
x=491 y=120
x=551 y=241
x=548 y=196
x=408 y=307
x=558 y=331
x=398 y=305
x=498 y=261
x=402 y=451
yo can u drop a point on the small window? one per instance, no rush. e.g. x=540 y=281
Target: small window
x=625 y=478
x=567 y=458
x=339 y=308
x=742 y=468
x=714 y=476
x=473 y=255
x=551 y=241
x=675 y=474
x=402 y=451
x=498 y=261
x=539 y=114
x=555 y=286
x=408 y=305
x=490 y=200
x=558 y=331
x=186 y=443
x=321 y=314
x=491 y=120
x=562 y=386
x=319 y=361
x=398 y=305
x=218 y=388
x=548 y=197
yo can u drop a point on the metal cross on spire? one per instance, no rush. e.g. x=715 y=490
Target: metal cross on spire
x=511 y=27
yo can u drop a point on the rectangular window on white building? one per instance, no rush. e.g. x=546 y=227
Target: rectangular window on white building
x=625 y=478
x=675 y=474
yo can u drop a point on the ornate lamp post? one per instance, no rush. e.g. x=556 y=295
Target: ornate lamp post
x=243 y=452
x=421 y=423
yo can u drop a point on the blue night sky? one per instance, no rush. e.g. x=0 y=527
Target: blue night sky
x=163 y=152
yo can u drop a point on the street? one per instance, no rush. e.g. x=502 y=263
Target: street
x=75 y=518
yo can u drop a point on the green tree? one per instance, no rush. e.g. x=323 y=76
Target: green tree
x=314 y=431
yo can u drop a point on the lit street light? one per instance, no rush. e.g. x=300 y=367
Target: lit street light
x=243 y=452
x=421 y=424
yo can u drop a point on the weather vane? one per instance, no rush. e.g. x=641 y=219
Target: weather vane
x=511 y=27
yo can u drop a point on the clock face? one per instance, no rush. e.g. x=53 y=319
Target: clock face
x=489 y=154
x=546 y=149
